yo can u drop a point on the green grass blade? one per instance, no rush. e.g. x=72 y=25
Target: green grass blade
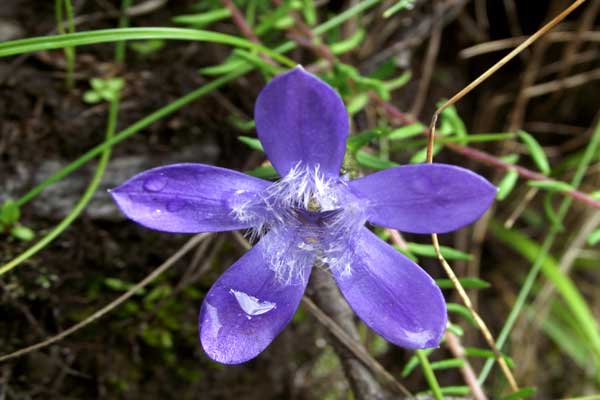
x=120 y=34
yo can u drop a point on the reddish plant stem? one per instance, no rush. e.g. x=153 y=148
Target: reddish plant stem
x=240 y=21
x=458 y=351
x=485 y=158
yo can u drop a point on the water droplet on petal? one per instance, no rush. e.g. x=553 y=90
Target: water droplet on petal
x=155 y=183
x=176 y=205
x=251 y=305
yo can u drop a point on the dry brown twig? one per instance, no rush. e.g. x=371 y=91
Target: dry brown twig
x=186 y=248
x=466 y=300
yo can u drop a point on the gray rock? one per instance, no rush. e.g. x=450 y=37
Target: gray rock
x=58 y=199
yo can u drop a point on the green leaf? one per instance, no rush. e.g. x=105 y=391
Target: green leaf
x=595 y=195
x=255 y=60
x=202 y=19
x=594 y=237
x=449 y=363
x=357 y=103
x=310 y=12
x=412 y=363
x=569 y=292
x=114 y=84
x=242 y=124
x=462 y=311
x=536 y=151
x=428 y=250
x=264 y=172
x=284 y=22
x=507 y=184
x=9 y=212
x=120 y=285
x=551 y=213
x=407 y=131
x=485 y=353
x=251 y=142
x=399 y=6
x=91 y=97
x=348 y=44
x=357 y=142
x=467 y=283
x=97 y=84
x=232 y=63
x=40 y=43
x=421 y=155
x=553 y=186
x=406 y=252
x=456 y=390
x=22 y=232
x=429 y=374
x=147 y=47
x=456 y=329
x=456 y=123
x=522 y=393
x=510 y=158
x=477 y=138
x=398 y=82
x=371 y=161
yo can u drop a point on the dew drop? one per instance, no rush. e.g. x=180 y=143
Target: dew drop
x=155 y=183
x=251 y=305
x=176 y=205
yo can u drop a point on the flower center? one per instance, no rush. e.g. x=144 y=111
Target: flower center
x=311 y=219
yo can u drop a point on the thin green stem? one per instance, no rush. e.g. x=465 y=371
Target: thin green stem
x=83 y=201
x=123 y=23
x=69 y=51
x=131 y=130
x=545 y=249
x=123 y=34
x=429 y=375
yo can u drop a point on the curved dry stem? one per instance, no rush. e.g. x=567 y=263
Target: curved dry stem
x=431 y=140
x=191 y=244
x=478 y=320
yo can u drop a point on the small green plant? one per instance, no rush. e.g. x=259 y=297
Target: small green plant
x=103 y=90
x=9 y=222
x=147 y=47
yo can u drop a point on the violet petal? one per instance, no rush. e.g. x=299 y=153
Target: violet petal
x=424 y=198
x=393 y=295
x=187 y=198
x=246 y=308
x=299 y=118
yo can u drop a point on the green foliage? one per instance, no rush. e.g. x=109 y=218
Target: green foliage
x=564 y=285
x=467 y=283
x=507 y=184
x=594 y=237
x=554 y=186
x=522 y=393
x=10 y=214
x=201 y=20
x=399 y=6
x=535 y=151
x=103 y=90
x=428 y=250
x=147 y=47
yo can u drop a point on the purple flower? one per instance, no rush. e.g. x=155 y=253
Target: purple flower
x=310 y=217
